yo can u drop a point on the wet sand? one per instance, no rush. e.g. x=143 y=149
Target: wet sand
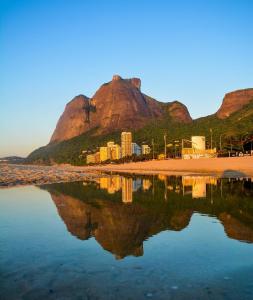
x=14 y=175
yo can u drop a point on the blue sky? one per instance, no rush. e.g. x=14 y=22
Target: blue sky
x=192 y=51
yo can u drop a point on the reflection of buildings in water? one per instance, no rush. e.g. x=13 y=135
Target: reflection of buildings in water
x=112 y=184
x=170 y=187
x=127 y=190
x=197 y=185
x=162 y=177
x=177 y=189
x=173 y=184
x=115 y=184
x=136 y=184
x=103 y=183
x=146 y=184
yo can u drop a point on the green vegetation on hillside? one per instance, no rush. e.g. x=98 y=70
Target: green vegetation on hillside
x=231 y=131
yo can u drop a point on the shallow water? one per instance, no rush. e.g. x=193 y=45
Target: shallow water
x=129 y=237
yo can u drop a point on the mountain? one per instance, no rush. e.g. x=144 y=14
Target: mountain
x=117 y=105
x=234 y=101
x=120 y=105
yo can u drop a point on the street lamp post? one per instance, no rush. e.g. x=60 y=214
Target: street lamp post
x=230 y=145
x=165 y=145
x=221 y=141
x=242 y=140
x=153 y=149
x=211 y=132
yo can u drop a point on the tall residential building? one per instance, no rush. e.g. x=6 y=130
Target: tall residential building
x=126 y=144
x=110 y=144
x=145 y=149
x=103 y=153
x=136 y=149
x=114 y=150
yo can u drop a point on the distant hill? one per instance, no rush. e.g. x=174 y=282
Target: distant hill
x=120 y=105
x=12 y=159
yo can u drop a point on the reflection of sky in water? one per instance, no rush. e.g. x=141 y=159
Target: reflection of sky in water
x=41 y=258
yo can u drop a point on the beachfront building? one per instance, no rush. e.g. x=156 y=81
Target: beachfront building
x=114 y=150
x=97 y=157
x=103 y=154
x=136 y=149
x=126 y=143
x=145 y=149
x=93 y=158
x=109 y=144
x=90 y=159
x=197 y=149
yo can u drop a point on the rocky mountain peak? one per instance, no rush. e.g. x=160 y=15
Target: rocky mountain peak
x=136 y=82
x=116 y=78
x=116 y=105
x=234 y=101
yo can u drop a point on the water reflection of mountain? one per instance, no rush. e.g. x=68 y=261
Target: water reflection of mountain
x=123 y=212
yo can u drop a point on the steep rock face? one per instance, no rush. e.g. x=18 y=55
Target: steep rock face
x=234 y=101
x=120 y=104
x=73 y=120
x=117 y=105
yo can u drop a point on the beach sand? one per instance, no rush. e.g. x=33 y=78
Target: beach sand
x=222 y=167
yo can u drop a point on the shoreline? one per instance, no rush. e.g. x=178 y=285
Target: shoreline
x=19 y=175
x=221 y=167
